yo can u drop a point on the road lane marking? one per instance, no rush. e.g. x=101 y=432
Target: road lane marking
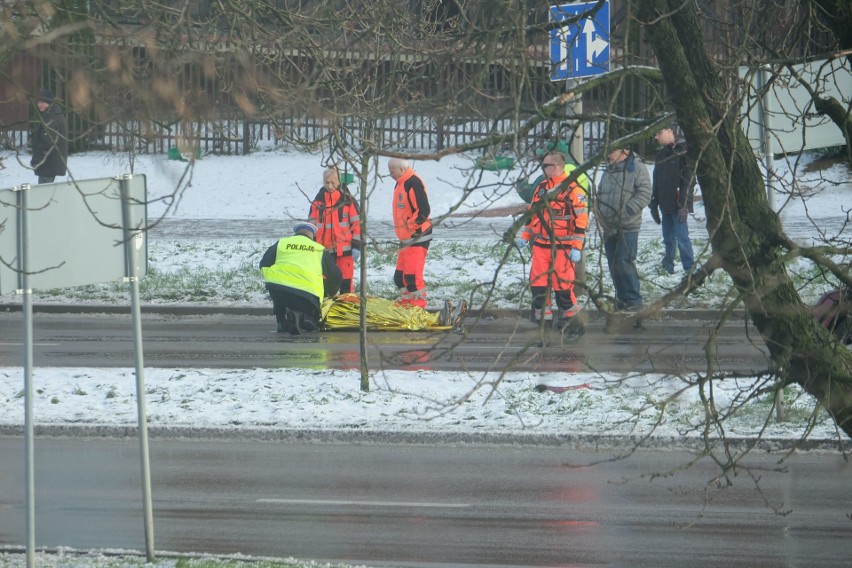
x=364 y=503
x=7 y=344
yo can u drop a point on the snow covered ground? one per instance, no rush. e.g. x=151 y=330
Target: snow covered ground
x=272 y=189
x=218 y=221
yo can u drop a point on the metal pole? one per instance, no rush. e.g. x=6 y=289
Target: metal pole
x=768 y=153
x=363 y=354
x=578 y=138
x=132 y=237
x=24 y=289
x=766 y=132
x=577 y=149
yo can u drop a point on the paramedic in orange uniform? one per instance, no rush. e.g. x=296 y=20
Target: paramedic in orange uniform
x=338 y=221
x=556 y=231
x=414 y=231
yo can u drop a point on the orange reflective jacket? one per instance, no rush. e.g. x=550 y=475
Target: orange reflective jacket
x=411 y=209
x=338 y=221
x=564 y=217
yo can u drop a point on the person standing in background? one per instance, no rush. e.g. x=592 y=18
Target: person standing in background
x=335 y=213
x=583 y=181
x=50 y=140
x=623 y=193
x=671 y=199
x=413 y=228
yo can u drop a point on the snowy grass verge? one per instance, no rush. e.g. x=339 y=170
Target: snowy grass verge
x=416 y=401
x=70 y=558
x=225 y=273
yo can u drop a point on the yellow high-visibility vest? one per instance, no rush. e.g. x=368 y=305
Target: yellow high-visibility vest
x=298 y=264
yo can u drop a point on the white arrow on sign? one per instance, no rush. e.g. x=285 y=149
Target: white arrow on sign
x=594 y=43
x=581 y=48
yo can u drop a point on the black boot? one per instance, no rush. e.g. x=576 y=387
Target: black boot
x=282 y=323
x=458 y=313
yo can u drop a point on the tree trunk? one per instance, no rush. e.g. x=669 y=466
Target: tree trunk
x=839 y=116
x=837 y=16
x=745 y=233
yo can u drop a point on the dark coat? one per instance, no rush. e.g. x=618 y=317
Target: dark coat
x=673 y=186
x=50 y=144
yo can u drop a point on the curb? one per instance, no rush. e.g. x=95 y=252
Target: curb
x=361 y=437
x=257 y=311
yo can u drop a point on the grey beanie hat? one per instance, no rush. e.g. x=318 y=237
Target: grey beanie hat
x=302 y=228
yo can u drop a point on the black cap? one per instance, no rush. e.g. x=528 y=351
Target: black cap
x=45 y=95
x=675 y=128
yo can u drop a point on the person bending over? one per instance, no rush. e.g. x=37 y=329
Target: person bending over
x=298 y=273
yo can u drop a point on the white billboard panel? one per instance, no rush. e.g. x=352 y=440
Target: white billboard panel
x=75 y=233
x=793 y=122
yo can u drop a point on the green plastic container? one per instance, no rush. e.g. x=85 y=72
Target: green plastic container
x=175 y=154
x=559 y=146
x=494 y=163
x=347 y=178
x=525 y=189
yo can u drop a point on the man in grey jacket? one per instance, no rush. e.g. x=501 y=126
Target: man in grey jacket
x=624 y=191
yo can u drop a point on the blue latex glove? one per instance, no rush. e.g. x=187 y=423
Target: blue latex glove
x=356 y=255
x=575 y=255
x=521 y=243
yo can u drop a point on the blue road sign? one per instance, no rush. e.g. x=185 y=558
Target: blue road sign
x=581 y=48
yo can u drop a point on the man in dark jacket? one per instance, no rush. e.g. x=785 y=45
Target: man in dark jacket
x=671 y=199
x=298 y=273
x=50 y=140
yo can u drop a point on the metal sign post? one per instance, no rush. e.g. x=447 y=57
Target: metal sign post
x=102 y=224
x=133 y=241
x=24 y=289
x=766 y=136
x=579 y=49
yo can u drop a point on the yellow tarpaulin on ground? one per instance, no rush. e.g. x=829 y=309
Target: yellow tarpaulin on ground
x=343 y=312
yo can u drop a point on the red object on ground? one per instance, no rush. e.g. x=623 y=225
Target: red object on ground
x=559 y=390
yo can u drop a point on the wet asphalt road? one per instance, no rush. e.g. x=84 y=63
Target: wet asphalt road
x=674 y=343
x=435 y=506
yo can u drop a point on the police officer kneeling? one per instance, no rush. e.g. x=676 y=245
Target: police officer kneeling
x=298 y=272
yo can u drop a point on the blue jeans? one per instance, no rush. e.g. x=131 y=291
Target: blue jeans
x=676 y=234
x=620 y=250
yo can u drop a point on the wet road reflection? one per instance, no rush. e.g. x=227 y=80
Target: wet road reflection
x=436 y=504
x=239 y=341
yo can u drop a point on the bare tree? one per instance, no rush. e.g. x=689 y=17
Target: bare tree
x=358 y=78
x=747 y=235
